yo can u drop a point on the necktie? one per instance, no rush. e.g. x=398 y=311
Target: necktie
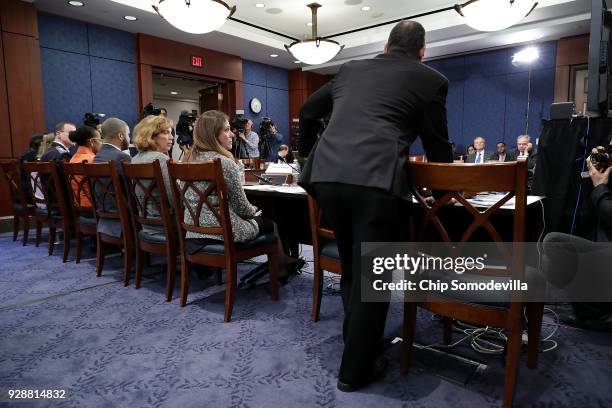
x=478 y=158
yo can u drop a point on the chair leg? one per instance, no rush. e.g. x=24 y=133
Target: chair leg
x=512 y=359
x=38 y=232
x=273 y=265
x=185 y=272
x=447 y=330
x=100 y=249
x=127 y=263
x=26 y=229
x=66 y=234
x=170 y=278
x=79 y=245
x=317 y=289
x=230 y=290
x=139 y=260
x=410 y=310
x=51 y=240
x=15 y=226
x=534 y=314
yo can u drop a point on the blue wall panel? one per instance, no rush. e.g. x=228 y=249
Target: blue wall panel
x=62 y=34
x=86 y=68
x=270 y=85
x=114 y=88
x=112 y=44
x=488 y=95
x=66 y=86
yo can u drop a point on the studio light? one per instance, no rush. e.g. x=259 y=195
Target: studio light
x=526 y=56
x=316 y=50
x=194 y=16
x=494 y=15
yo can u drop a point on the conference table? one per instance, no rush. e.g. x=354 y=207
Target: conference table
x=288 y=207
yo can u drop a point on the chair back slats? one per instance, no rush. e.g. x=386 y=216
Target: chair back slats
x=450 y=181
x=147 y=193
x=103 y=183
x=78 y=187
x=46 y=186
x=201 y=183
x=12 y=174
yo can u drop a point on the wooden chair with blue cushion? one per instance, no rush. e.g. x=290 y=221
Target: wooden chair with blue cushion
x=51 y=206
x=153 y=218
x=111 y=212
x=83 y=215
x=450 y=181
x=205 y=180
x=19 y=204
x=325 y=254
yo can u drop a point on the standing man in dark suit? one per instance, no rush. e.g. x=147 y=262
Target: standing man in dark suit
x=115 y=139
x=378 y=108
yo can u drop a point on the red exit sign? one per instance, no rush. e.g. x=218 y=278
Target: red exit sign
x=197 y=61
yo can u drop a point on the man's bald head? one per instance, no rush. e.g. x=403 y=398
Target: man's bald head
x=407 y=37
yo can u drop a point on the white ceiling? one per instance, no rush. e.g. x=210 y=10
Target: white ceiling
x=446 y=33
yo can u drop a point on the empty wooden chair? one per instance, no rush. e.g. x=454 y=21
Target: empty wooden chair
x=325 y=254
x=450 y=180
x=205 y=180
x=19 y=204
x=153 y=218
x=111 y=212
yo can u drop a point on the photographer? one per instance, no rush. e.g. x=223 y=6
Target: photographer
x=271 y=140
x=246 y=141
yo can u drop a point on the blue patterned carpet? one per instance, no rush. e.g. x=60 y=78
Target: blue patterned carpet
x=110 y=346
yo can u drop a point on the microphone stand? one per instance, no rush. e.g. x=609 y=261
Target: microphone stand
x=287 y=163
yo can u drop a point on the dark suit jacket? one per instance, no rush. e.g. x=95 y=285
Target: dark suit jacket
x=601 y=197
x=472 y=157
x=509 y=156
x=105 y=154
x=378 y=108
x=531 y=159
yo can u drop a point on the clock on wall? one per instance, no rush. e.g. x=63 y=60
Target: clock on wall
x=255 y=105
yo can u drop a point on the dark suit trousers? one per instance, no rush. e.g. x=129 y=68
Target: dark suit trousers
x=360 y=214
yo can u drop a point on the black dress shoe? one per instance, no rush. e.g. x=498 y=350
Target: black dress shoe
x=380 y=369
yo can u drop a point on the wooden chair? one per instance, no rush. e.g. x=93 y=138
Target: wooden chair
x=325 y=254
x=21 y=208
x=51 y=205
x=205 y=180
x=451 y=180
x=83 y=216
x=110 y=207
x=151 y=210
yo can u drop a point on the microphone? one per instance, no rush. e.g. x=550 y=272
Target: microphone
x=262 y=179
x=287 y=163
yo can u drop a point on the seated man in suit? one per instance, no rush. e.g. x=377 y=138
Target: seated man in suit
x=501 y=155
x=480 y=156
x=115 y=139
x=59 y=149
x=522 y=151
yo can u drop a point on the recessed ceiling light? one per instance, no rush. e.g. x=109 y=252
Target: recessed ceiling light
x=274 y=10
x=260 y=5
x=366 y=8
x=130 y=18
x=76 y=3
x=309 y=24
x=173 y=93
x=297 y=62
x=274 y=55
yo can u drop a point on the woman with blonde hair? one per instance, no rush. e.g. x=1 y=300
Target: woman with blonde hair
x=212 y=138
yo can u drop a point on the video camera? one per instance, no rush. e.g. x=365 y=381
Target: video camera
x=184 y=128
x=603 y=158
x=93 y=119
x=265 y=125
x=239 y=123
x=150 y=110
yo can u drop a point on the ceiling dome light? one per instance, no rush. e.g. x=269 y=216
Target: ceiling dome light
x=76 y=3
x=494 y=15
x=194 y=16
x=316 y=50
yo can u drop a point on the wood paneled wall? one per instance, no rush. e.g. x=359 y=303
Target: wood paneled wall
x=154 y=52
x=570 y=51
x=302 y=84
x=21 y=93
